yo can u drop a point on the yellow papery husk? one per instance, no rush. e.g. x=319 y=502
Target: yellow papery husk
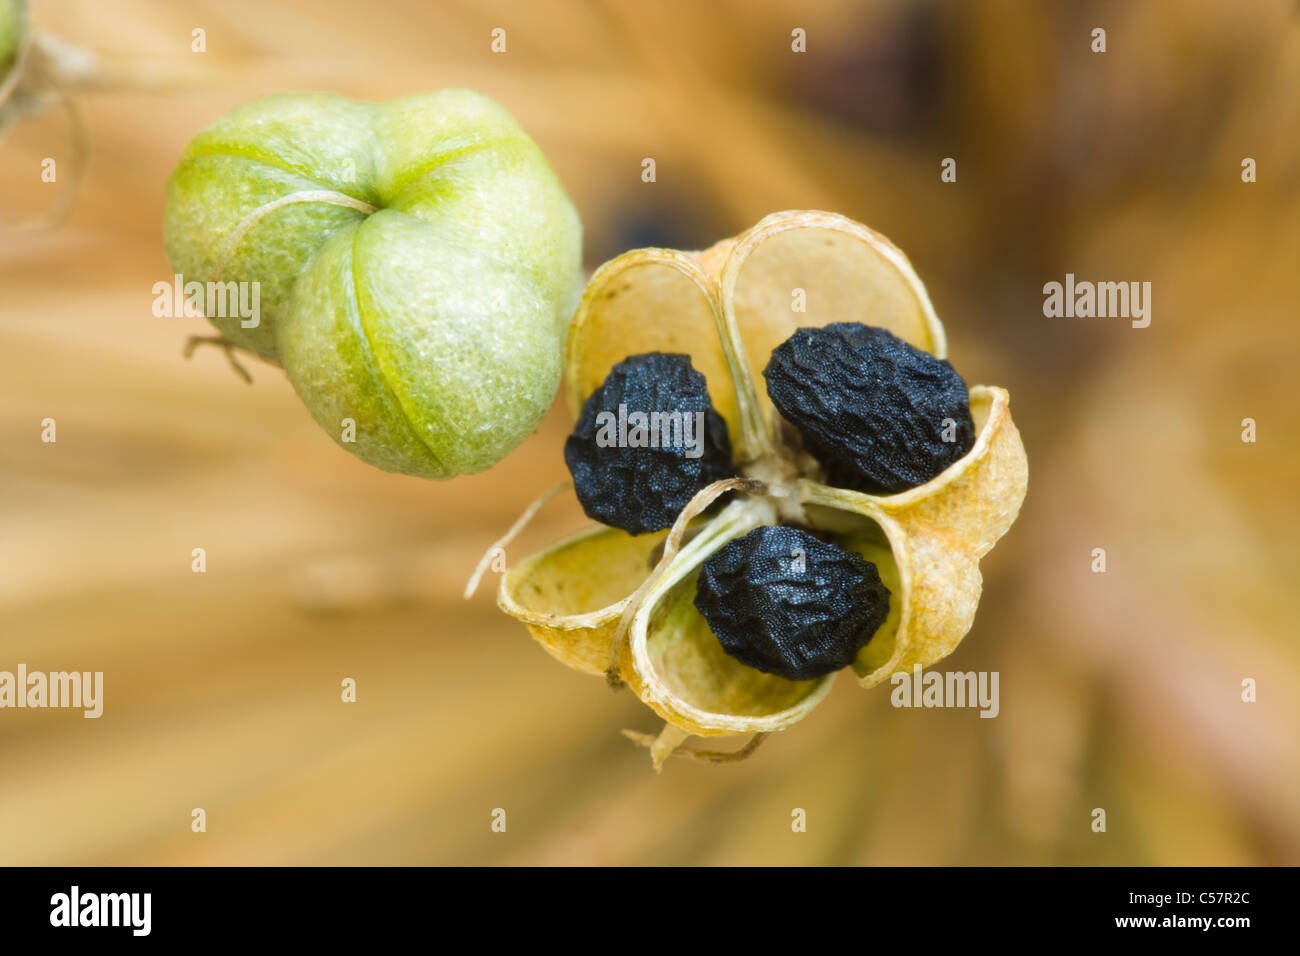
x=570 y=596
x=727 y=308
x=938 y=533
x=672 y=661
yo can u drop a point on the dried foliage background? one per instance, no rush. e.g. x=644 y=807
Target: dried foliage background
x=1119 y=690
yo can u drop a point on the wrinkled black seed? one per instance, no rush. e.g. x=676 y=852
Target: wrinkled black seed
x=871 y=408
x=786 y=602
x=642 y=489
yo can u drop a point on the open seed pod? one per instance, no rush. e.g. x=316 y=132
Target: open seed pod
x=594 y=601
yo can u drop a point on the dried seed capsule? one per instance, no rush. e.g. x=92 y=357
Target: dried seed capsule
x=785 y=602
x=880 y=415
x=647 y=440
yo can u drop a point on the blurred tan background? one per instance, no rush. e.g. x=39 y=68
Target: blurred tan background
x=1120 y=690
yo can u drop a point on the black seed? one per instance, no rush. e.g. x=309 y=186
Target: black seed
x=642 y=489
x=872 y=409
x=785 y=602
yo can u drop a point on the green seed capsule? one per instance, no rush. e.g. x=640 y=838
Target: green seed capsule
x=414 y=262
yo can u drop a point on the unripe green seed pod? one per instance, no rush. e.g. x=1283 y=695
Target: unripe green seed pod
x=416 y=263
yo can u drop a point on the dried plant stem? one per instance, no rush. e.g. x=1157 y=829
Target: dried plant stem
x=48 y=70
x=227 y=346
x=27 y=88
